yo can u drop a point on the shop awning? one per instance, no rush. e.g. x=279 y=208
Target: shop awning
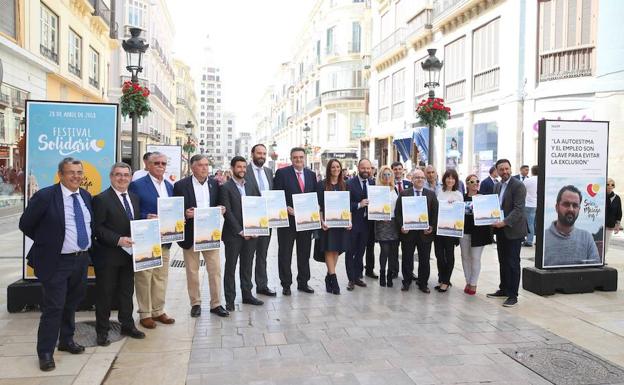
x=403 y=141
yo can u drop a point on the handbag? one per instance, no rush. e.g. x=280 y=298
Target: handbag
x=317 y=253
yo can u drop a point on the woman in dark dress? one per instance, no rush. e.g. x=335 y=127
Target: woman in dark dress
x=334 y=241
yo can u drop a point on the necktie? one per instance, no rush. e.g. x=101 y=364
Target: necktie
x=418 y=193
x=260 y=180
x=301 y=184
x=127 y=206
x=81 y=228
x=400 y=186
x=364 y=190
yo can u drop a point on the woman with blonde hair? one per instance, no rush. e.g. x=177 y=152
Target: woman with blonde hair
x=386 y=232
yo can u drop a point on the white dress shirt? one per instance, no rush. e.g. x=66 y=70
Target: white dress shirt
x=259 y=172
x=531 y=195
x=121 y=199
x=202 y=193
x=70 y=243
x=161 y=187
x=240 y=186
x=139 y=174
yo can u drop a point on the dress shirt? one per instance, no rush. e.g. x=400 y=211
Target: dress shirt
x=161 y=187
x=202 y=192
x=240 y=186
x=302 y=175
x=531 y=196
x=436 y=188
x=139 y=174
x=501 y=194
x=70 y=243
x=259 y=171
x=121 y=199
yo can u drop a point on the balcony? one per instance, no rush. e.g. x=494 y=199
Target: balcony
x=485 y=81
x=566 y=63
x=455 y=91
x=418 y=24
x=444 y=7
x=163 y=99
x=313 y=104
x=94 y=82
x=395 y=39
x=344 y=94
x=50 y=53
x=4 y=100
x=74 y=69
x=101 y=10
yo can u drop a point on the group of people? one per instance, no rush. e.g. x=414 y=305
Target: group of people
x=69 y=228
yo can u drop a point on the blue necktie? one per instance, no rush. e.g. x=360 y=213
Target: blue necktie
x=127 y=206
x=81 y=228
x=260 y=180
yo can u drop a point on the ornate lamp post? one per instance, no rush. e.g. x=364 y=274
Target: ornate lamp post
x=306 y=146
x=135 y=47
x=432 y=67
x=273 y=154
x=189 y=147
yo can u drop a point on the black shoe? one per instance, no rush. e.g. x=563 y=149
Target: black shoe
x=424 y=289
x=132 y=332
x=328 y=287
x=497 y=294
x=46 y=362
x=286 y=291
x=405 y=286
x=527 y=244
x=333 y=281
x=220 y=311
x=252 y=301
x=360 y=283
x=71 y=347
x=371 y=274
x=266 y=291
x=102 y=340
x=350 y=286
x=382 y=278
x=229 y=306
x=195 y=310
x=306 y=289
x=511 y=302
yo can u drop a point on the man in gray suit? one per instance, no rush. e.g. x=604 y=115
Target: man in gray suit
x=510 y=232
x=260 y=178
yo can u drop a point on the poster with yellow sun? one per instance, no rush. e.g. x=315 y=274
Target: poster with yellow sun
x=57 y=130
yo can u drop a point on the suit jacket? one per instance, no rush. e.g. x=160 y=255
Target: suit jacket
x=432 y=212
x=184 y=188
x=286 y=179
x=230 y=197
x=250 y=178
x=513 y=207
x=405 y=184
x=43 y=221
x=487 y=186
x=356 y=194
x=110 y=222
x=148 y=196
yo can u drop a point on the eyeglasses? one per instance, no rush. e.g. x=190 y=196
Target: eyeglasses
x=387 y=174
x=474 y=181
x=419 y=177
x=159 y=163
x=120 y=175
x=611 y=184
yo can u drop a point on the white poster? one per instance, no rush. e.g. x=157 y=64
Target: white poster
x=173 y=172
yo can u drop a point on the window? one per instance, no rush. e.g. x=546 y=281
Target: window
x=318 y=52
x=455 y=69
x=419 y=81
x=356 y=33
x=329 y=41
x=49 y=34
x=75 y=53
x=94 y=68
x=384 y=99
x=566 y=38
x=398 y=93
x=2 y=127
x=357 y=125
x=136 y=13
x=485 y=61
x=331 y=126
x=7 y=18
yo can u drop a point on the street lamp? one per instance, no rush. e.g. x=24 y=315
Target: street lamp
x=306 y=132
x=432 y=66
x=273 y=153
x=201 y=146
x=135 y=47
x=190 y=148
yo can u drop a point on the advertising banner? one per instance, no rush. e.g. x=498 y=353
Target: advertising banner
x=208 y=224
x=173 y=172
x=146 y=246
x=57 y=130
x=571 y=205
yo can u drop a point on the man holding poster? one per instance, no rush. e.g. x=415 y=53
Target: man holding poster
x=199 y=191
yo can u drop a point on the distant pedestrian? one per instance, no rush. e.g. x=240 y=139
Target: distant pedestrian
x=530 y=204
x=613 y=213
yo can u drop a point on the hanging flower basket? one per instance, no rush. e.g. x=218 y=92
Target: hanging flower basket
x=432 y=112
x=188 y=148
x=134 y=100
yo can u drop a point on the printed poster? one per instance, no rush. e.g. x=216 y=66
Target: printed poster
x=171 y=218
x=486 y=209
x=207 y=229
x=146 y=246
x=337 y=209
x=451 y=219
x=307 y=215
x=379 y=203
x=255 y=216
x=173 y=171
x=276 y=207
x=415 y=213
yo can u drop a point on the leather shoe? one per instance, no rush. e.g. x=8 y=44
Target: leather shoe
x=267 y=292
x=71 y=347
x=306 y=289
x=286 y=291
x=195 y=310
x=252 y=301
x=46 y=362
x=424 y=289
x=148 y=323
x=405 y=287
x=350 y=286
x=360 y=283
x=229 y=306
x=164 y=318
x=102 y=340
x=132 y=332
x=371 y=274
x=220 y=311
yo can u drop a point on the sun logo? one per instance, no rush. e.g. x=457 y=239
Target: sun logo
x=592 y=189
x=98 y=145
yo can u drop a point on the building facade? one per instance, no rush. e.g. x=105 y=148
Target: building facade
x=243 y=145
x=186 y=108
x=318 y=98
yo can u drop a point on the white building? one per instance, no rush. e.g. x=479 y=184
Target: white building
x=243 y=145
x=507 y=64
x=321 y=86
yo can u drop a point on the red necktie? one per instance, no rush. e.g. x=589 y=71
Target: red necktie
x=301 y=184
x=400 y=186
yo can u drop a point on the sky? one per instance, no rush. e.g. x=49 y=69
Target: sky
x=249 y=38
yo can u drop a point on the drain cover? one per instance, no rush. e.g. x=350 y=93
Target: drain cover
x=567 y=364
x=85 y=334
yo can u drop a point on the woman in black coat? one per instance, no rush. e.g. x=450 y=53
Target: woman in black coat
x=613 y=213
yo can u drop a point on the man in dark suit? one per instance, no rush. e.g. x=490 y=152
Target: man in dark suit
x=151 y=285
x=417 y=239
x=260 y=178
x=200 y=192
x=113 y=209
x=360 y=231
x=58 y=220
x=400 y=182
x=236 y=244
x=510 y=232
x=524 y=173
x=295 y=179
x=487 y=185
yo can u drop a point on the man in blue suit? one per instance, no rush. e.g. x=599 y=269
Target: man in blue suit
x=58 y=220
x=295 y=179
x=358 y=189
x=487 y=185
x=151 y=285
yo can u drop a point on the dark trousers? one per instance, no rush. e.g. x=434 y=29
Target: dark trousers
x=235 y=249
x=113 y=281
x=262 y=247
x=445 y=257
x=354 y=262
x=407 y=261
x=286 y=237
x=370 y=249
x=61 y=295
x=509 y=263
x=389 y=253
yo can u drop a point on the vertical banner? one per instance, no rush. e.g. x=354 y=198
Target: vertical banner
x=571 y=206
x=173 y=172
x=57 y=130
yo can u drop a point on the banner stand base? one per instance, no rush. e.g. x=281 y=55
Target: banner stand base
x=569 y=281
x=23 y=293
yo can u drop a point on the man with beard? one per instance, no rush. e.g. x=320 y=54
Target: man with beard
x=565 y=244
x=260 y=179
